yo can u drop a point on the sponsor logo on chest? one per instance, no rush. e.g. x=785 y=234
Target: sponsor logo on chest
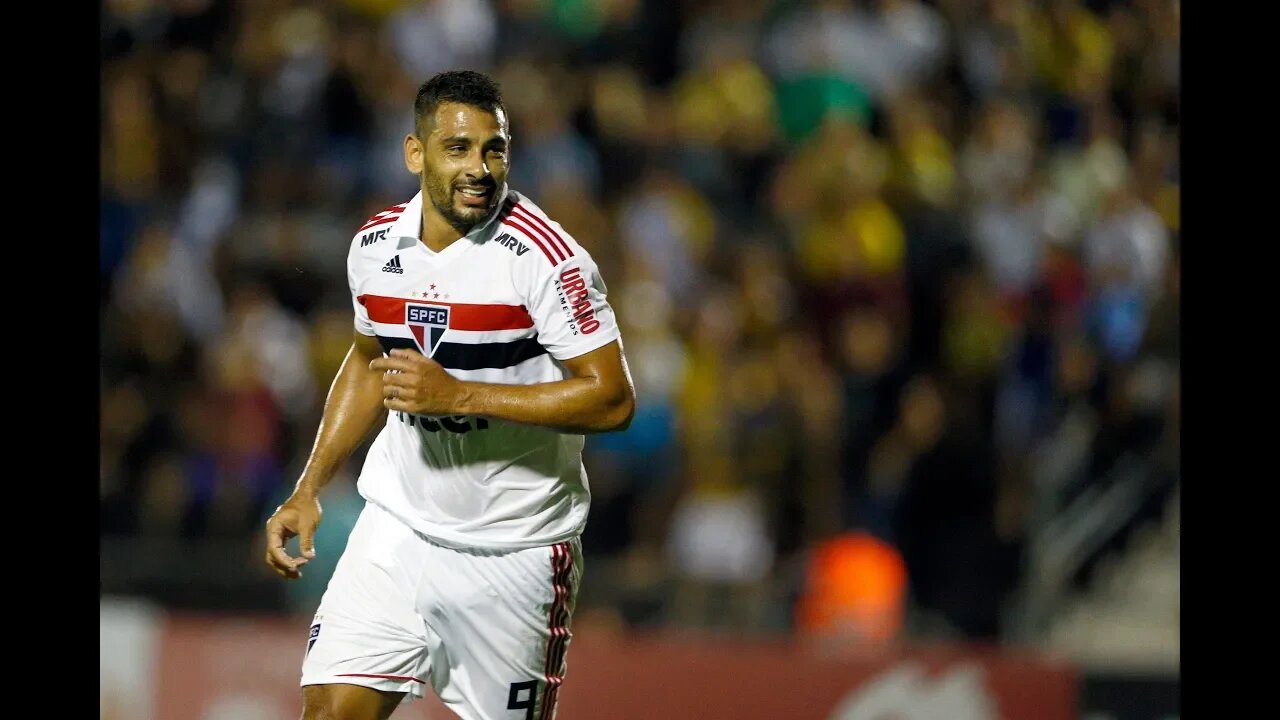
x=373 y=237
x=512 y=244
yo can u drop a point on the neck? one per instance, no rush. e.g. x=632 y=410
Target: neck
x=437 y=233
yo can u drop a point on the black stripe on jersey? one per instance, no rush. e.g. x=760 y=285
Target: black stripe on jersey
x=473 y=356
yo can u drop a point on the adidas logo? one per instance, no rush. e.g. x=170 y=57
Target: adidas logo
x=393 y=266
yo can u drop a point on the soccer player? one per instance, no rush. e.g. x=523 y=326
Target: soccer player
x=482 y=327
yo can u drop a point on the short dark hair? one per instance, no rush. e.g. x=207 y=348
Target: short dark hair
x=461 y=86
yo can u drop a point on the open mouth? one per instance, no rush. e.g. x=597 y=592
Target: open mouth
x=474 y=196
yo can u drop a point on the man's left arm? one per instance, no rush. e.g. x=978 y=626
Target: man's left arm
x=599 y=397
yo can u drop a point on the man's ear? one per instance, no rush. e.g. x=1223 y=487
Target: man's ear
x=414 y=154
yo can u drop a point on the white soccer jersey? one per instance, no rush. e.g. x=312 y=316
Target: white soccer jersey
x=503 y=304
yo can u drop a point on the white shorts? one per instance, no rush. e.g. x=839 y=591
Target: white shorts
x=488 y=629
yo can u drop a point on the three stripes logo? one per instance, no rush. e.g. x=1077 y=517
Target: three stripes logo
x=534 y=228
x=389 y=215
x=393 y=266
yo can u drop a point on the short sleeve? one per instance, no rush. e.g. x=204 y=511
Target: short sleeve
x=569 y=308
x=362 y=323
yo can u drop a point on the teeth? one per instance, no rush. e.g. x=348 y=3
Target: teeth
x=473 y=193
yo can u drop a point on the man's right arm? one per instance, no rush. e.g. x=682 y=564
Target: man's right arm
x=352 y=409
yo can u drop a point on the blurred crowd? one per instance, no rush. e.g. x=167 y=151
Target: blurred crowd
x=897 y=269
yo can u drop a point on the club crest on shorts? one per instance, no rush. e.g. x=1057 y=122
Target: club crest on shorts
x=427 y=323
x=312 y=636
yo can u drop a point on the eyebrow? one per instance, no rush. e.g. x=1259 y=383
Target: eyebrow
x=464 y=140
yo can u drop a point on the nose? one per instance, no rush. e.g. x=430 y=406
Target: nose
x=479 y=168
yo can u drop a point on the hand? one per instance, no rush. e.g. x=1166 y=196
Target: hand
x=299 y=515
x=416 y=384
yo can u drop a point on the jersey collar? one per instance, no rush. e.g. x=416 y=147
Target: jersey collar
x=409 y=224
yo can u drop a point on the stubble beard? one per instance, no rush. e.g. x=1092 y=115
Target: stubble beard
x=461 y=221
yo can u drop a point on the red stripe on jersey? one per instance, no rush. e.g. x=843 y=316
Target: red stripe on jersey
x=507 y=206
x=376 y=221
x=462 y=316
x=382 y=216
x=383 y=677
x=529 y=232
x=523 y=212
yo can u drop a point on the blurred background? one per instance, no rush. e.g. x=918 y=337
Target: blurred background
x=899 y=286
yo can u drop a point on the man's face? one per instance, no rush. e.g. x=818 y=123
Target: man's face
x=462 y=161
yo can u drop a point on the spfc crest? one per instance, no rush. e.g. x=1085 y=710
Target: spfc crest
x=313 y=635
x=427 y=323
